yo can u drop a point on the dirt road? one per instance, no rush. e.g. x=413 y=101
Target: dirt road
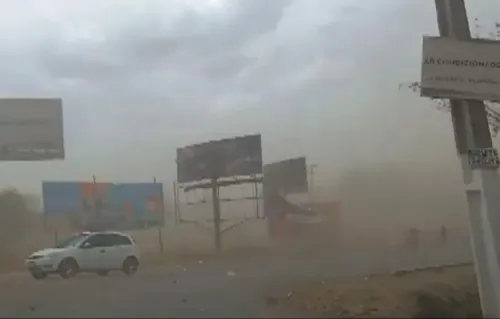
x=209 y=289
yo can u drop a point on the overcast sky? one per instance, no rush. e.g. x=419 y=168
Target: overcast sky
x=140 y=78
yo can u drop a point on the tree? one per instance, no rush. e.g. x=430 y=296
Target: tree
x=15 y=220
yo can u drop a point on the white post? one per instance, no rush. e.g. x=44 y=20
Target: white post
x=482 y=186
x=486 y=293
x=490 y=210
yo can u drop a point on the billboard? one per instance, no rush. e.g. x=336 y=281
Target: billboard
x=91 y=205
x=223 y=158
x=288 y=176
x=460 y=69
x=31 y=129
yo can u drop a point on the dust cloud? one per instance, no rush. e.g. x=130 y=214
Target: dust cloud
x=377 y=204
x=382 y=202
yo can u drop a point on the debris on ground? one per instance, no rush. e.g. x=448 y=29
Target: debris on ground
x=270 y=300
x=450 y=292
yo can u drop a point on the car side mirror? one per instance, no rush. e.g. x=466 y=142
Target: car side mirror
x=86 y=245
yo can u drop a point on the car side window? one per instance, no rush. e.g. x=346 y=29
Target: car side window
x=108 y=241
x=119 y=240
x=94 y=241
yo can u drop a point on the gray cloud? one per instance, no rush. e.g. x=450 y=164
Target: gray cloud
x=140 y=78
x=145 y=43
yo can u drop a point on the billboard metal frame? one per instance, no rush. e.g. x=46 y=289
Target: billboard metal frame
x=216 y=161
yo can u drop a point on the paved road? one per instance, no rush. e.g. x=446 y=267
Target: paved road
x=195 y=290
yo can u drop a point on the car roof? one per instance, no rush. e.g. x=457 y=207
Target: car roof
x=109 y=232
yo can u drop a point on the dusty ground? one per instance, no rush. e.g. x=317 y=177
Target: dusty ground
x=438 y=292
x=226 y=289
x=236 y=284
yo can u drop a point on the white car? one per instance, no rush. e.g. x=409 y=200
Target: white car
x=98 y=252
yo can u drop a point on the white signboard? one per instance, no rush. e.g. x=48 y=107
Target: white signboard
x=31 y=129
x=460 y=69
x=483 y=158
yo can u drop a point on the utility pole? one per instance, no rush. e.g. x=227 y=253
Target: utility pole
x=312 y=171
x=160 y=234
x=482 y=186
x=176 y=202
x=256 y=193
x=217 y=215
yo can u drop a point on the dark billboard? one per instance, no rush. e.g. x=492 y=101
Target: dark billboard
x=288 y=176
x=239 y=156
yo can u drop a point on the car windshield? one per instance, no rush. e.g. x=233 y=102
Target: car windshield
x=72 y=241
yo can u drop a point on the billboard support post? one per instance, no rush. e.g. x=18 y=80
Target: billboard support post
x=312 y=172
x=176 y=202
x=481 y=185
x=44 y=221
x=160 y=239
x=238 y=156
x=256 y=189
x=217 y=215
x=94 y=194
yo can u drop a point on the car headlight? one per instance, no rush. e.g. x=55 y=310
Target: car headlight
x=37 y=257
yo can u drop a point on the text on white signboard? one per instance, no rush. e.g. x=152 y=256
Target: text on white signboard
x=460 y=69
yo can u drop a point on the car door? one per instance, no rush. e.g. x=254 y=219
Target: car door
x=118 y=253
x=90 y=253
x=107 y=252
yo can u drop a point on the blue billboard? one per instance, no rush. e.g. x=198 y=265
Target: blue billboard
x=98 y=206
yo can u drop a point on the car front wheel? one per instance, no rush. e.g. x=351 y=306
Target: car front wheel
x=68 y=268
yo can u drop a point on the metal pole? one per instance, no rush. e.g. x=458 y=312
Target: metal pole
x=96 y=217
x=176 y=208
x=160 y=235
x=44 y=221
x=472 y=131
x=217 y=217
x=256 y=190
x=312 y=171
